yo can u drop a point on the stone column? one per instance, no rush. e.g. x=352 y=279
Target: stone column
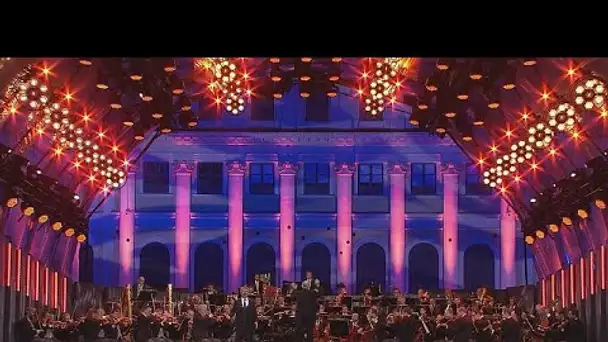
x=450 y=227
x=508 y=234
x=183 y=191
x=126 y=230
x=287 y=173
x=397 y=229
x=344 y=197
x=236 y=174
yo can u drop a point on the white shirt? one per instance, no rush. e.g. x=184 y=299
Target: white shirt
x=245 y=302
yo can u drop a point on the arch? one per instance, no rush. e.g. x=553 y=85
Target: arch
x=86 y=259
x=261 y=259
x=423 y=262
x=478 y=267
x=371 y=266
x=208 y=266
x=316 y=258
x=155 y=264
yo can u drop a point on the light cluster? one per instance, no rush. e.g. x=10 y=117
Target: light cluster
x=590 y=93
x=563 y=117
x=3 y=61
x=520 y=153
x=540 y=135
x=384 y=83
x=227 y=82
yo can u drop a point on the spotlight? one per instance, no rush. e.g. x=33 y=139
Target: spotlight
x=136 y=73
x=165 y=125
x=275 y=60
x=115 y=100
x=540 y=135
x=305 y=89
x=431 y=84
x=582 y=213
x=510 y=77
x=442 y=64
x=540 y=234
x=554 y=228
x=563 y=117
x=333 y=75
x=102 y=81
x=56 y=226
x=12 y=201
x=184 y=103
x=146 y=93
x=566 y=220
x=169 y=65
x=275 y=73
x=336 y=59
x=81 y=238
x=478 y=120
x=332 y=91
x=529 y=239
x=69 y=232
x=43 y=218
x=306 y=59
x=476 y=72
x=529 y=61
x=590 y=93
x=192 y=119
x=493 y=99
x=128 y=119
x=600 y=203
x=138 y=134
x=27 y=209
x=177 y=85
x=86 y=61
x=467 y=136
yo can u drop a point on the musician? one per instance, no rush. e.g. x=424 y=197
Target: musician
x=441 y=328
x=574 y=329
x=463 y=326
x=66 y=332
x=367 y=296
x=258 y=285
x=202 y=324
x=405 y=326
x=483 y=328
x=434 y=309
x=142 y=331
x=140 y=286
x=306 y=311
x=510 y=327
x=28 y=327
x=245 y=317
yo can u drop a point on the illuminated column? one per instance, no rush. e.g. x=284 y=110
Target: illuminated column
x=344 y=193
x=508 y=233
x=236 y=174
x=287 y=172
x=450 y=227
x=397 y=235
x=183 y=190
x=126 y=230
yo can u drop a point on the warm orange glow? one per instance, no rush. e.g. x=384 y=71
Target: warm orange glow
x=553 y=285
x=57 y=226
x=517 y=179
x=218 y=100
x=450 y=114
x=365 y=75
x=101 y=135
x=508 y=133
x=81 y=238
x=552 y=151
x=58 y=151
x=571 y=72
x=249 y=92
x=246 y=76
x=534 y=166
x=480 y=161
x=40 y=131
x=306 y=59
x=545 y=96
x=69 y=232
x=68 y=96
x=600 y=203
x=575 y=135
x=525 y=116
x=582 y=213
x=275 y=60
x=540 y=234
x=529 y=239
x=393 y=100
x=91 y=178
x=503 y=190
x=46 y=71
x=553 y=228
x=114 y=148
x=360 y=91
x=494 y=148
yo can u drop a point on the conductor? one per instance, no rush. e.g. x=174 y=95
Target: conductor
x=245 y=317
x=306 y=312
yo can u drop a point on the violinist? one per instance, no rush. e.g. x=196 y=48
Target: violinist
x=367 y=297
x=142 y=331
x=463 y=326
x=203 y=323
x=341 y=294
x=90 y=327
x=574 y=329
x=434 y=309
x=441 y=328
x=427 y=327
x=223 y=327
x=28 y=327
x=423 y=296
x=483 y=328
x=510 y=327
x=66 y=330
x=405 y=326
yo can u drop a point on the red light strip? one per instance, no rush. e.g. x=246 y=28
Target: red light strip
x=55 y=290
x=553 y=289
x=8 y=263
x=603 y=266
x=45 y=286
x=64 y=294
x=562 y=279
x=543 y=292
x=571 y=278
x=592 y=283
x=18 y=269
x=37 y=281
x=582 y=278
x=28 y=275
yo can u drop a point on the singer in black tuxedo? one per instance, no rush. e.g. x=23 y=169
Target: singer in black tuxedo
x=306 y=312
x=245 y=317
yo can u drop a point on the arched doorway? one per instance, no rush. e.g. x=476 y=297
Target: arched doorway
x=208 y=266
x=85 y=263
x=155 y=265
x=371 y=266
x=423 y=264
x=478 y=267
x=261 y=259
x=316 y=258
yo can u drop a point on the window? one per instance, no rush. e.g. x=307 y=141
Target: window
x=156 y=177
x=316 y=179
x=317 y=107
x=424 y=179
x=474 y=181
x=262 y=109
x=371 y=179
x=210 y=178
x=261 y=179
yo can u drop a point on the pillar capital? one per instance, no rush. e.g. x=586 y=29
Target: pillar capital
x=345 y=168
x=236 y=168
x=449 y=169
x=183 y=166
x=397 y=168
x=287 y=168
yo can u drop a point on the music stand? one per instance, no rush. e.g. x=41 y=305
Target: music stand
x=338 y=328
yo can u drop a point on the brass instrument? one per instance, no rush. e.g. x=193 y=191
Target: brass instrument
x=170 y=298
x=129 y=306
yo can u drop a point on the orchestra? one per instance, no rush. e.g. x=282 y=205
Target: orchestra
x=298 y=312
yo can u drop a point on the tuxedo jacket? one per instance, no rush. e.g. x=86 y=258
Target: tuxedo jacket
x=244 y=317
